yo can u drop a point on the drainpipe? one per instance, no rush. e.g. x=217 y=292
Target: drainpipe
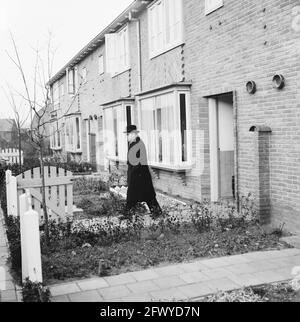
x=139 y=51
x=139 y=41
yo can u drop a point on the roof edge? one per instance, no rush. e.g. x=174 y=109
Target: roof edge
x=137 y=6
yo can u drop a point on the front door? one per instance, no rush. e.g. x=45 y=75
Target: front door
x=221 y=147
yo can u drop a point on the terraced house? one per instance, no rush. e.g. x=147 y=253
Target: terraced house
x=213 y=86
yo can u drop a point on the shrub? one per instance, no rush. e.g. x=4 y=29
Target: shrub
x=14 y=240
x=202 y=216
x=97 y=206
x=244 y=295
x=89 y=185
x=35 y=292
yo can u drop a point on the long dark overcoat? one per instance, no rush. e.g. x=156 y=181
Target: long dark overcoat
x=140 y=186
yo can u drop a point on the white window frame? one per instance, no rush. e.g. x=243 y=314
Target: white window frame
x=72 y=86
x=71 y=140
x=101 y=65
x=62 y=88
x=55 y=136
x=213 y=5
x=164 y=17
x=83 y=75
x=108 y=131
x=55 y=95
x=117 y=46
x=178 y=164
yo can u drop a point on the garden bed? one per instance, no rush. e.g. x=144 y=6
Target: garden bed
x=100 y=244
x=76 y=258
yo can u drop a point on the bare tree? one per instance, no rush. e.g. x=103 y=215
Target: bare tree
x=37 y=96
x=19 y=120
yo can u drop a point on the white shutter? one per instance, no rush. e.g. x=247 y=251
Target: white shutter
x=152 y=28
x=111 y=54
x=174 y=21
x=160 y=26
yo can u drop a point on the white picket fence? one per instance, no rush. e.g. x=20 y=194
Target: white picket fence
x=11 y=156
x=59 y=192
x=24 y=199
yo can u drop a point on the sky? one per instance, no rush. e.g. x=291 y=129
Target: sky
x=72 y=23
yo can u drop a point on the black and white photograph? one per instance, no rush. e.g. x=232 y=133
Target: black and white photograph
x=149 y=153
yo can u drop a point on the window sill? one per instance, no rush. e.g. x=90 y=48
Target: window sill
x=74 y=151
x=165 y=50
x=207 y=12
x=171 y=168
x=121 y=72
x=56 y=149
x=116 y=159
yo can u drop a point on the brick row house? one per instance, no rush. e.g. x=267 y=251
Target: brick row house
x=214 y=87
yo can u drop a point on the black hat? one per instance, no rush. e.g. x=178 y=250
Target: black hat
x=131 y=128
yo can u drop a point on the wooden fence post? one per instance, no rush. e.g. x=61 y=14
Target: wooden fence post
x=7 y=180
x=24 y=207
x=11 y=194
x=32 y=246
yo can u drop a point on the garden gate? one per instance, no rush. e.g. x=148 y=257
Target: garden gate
x=59 y=191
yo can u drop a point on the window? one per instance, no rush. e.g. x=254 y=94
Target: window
x=117 y=52
x=101 y=65
x=115 y=120
x=212 y=5
x=165 y=26
x=62 y=88
x=84 y=75
x=165 y=128
x=55 y=94
x=72 y=80
x=73 y=134
x=55 y=136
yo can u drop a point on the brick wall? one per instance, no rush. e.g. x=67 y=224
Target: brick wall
x=242 y=41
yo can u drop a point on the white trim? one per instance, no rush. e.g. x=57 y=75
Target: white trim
x=87 y=127
x=214 y=155
x=177 y=162
x=121 y=72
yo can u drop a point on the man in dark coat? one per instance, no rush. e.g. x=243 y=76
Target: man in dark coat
x=140 y=186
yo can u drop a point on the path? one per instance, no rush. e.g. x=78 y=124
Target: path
x=185 y=281
x=8 y=291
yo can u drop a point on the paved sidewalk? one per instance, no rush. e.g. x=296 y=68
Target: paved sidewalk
x=8 y=291
x=185 y=281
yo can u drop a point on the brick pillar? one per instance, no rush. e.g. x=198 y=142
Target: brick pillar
x=262 y=172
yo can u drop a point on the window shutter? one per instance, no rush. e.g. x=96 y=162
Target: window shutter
x=110 y=47
x=152 y=28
